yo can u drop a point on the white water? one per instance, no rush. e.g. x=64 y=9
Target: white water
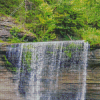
x=47 y=63
x=84 y=72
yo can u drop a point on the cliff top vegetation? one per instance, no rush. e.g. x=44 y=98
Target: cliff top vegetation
x=52 y=20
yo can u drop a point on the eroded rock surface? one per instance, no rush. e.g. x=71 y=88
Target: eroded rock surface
x=8 y=89
x=6 y=23
x=94 y=57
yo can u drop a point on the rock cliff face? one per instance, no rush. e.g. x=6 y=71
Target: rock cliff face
x=8 y=89
x=94 y=57
x=6 y=23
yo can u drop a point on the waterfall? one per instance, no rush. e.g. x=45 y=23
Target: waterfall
x=50 y=70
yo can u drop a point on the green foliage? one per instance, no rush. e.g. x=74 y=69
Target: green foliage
x=15 y=39
x=7 y=62
x=72 y=46
x=45 y=25
x=14 y=31
x=1 y=41
x=28 y=57
x=49 y=52
x=9 y=66
x=92 y=35
x=48 y=19
x=89 y=10
x=93 y=13
x=68 y=53
x=27 y=60
x=6 y=6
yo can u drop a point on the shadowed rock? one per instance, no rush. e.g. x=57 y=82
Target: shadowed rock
x=94 y=57
x=4 y=34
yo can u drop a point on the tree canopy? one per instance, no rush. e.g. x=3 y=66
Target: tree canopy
x=52 y=19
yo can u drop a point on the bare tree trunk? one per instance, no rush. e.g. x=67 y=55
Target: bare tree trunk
x=25 y=5
x=25 y=11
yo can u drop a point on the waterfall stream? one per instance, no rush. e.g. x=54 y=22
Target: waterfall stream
x=50 y=70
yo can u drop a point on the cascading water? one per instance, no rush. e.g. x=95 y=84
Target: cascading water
x=50 y=70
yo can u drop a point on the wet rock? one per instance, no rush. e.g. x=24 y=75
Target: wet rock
x=4 y=33
x=94 y=57
x=29 y=37
x=96 y=53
